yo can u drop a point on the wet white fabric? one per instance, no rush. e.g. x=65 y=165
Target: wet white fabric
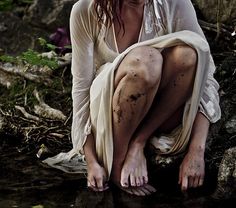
x=95 y=57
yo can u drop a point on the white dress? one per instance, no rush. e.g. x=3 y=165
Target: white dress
x=95 y=57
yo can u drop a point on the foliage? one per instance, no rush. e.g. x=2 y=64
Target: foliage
x=46 y=45
x=38 y=206
x=7 y=5
x=6 y=58
x=34 y=58
x=31 y=58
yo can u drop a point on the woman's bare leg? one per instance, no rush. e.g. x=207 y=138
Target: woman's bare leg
x=175 y=88
x=136 y=83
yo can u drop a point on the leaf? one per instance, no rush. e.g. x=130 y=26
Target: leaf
x=6 y=58
x=38 y=206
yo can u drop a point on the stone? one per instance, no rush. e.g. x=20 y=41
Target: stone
x=16 y=36
x=231 y=125
x=226 y=186
x=49 y=14
x=214 y=10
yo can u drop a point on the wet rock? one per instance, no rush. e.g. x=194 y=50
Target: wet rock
x=6 y=79
x=49 y=14
x=3 y=27
x=231 y=125
x=17 y=36
x=214 y=10
x=226 y=187
x=43 y=152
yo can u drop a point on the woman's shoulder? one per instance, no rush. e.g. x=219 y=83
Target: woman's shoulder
x=83 y=6
x=176 y=2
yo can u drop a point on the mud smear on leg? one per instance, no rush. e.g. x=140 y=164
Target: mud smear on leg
x=119 y=111
x=135 y=97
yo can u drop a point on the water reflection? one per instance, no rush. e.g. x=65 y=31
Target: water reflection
x=26 y=182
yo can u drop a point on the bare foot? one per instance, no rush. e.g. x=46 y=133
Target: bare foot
x=134 y=171
x=143 y=190
x=96 y=179
x=132 y=176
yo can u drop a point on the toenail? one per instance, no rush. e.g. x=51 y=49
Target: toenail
x=125 y=184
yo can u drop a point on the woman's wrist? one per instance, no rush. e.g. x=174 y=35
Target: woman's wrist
x=199 y=134
x=89 y=150
x=199 y=149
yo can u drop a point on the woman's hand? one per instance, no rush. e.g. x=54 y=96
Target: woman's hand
x=192 y=170
x=97 y=179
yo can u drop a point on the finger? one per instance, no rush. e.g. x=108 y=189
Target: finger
x=91 y=182
x=190 y=181
x=196 y=181
x=201 y=180
x=184 y=183
x=106 y=186
x=132 y=180
x=99 y=183
x=180 y=176
x=93 y=188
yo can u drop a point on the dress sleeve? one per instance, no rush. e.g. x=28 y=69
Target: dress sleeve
x=82 y=33
x=182 y=16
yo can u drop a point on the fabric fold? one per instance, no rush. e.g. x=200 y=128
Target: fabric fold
x=101 y=93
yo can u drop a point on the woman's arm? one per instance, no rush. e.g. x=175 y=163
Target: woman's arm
x=82 y=29
x=192 y=169
x=97 y=178
x=82 y=72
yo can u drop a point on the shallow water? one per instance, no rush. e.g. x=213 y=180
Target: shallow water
x=26 y=182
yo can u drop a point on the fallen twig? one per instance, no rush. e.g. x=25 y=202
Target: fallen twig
x=26 y=114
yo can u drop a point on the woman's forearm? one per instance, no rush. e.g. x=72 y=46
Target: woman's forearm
x=90 y=151
x=199 y=133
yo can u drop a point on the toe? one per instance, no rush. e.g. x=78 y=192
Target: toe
x=132 y=180
x=145 y=179
x=124 y=180
x=138 y=181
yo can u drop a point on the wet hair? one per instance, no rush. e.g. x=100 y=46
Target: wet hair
x=107 y=11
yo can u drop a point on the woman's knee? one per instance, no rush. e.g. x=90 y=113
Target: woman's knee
x=183 y=57
x=145 y=65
